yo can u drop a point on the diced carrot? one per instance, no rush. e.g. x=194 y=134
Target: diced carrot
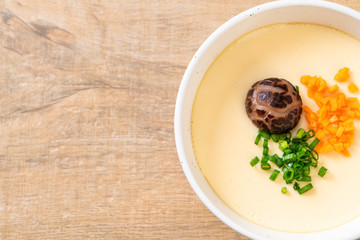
x=311 y=93
x=350 y=138
x=349 y=125
x=353 y=88
x=320 y=134
x=342 y=75
x=334 y=89
x=324 y=122
x=343 y=138
x=333 y=121
x=334 y=118
x=305 y=80
x=353 y=104
x=343 y=118
x=357 y=114
x=339 y=147
x=332 y=140
x=340 y=131
x=348 y=112
x=319 y=146
x=340 y=98
x=313 y=125
x=326 y=147
x=352 y=99
x=322 y=112
x=325 y=100
x=307 y=109
x=345 y=152
x=333 y=104
x=311 y=82
x=322 y=85
x=332 y=128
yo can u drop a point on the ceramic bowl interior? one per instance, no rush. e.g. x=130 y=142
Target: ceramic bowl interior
x=320 y=12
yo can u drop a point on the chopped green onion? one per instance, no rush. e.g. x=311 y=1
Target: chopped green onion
x=254 y=161
x=300 y=133
x=283 y=190
x=322 y=171
x=314 y=143
x=289 y=175
x=283 y=145
x=314 y=164
x=297 y=166
x=279 y=163
x=305 y=188
x=297 y=88
x=316 y=157
x=311 y=133
x=282 y=136
x=277 y=160
x=287 y=151
x=257 y=139
x=301 y=153
x=306 y=170
x=274 y=137
x=305 y=179
x=265 y=158
x=272 y=158
x=274 y=175
x=265 y=166
x=297 y=157
x=289 y=158
x=296 y=186
x=264 y=134
x=265 y=147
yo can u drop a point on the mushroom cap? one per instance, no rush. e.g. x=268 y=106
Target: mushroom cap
x=274 y=105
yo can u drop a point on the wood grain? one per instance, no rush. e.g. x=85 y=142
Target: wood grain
x=88 y=90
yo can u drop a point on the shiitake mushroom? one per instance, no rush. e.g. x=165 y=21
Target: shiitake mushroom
x=274 y=105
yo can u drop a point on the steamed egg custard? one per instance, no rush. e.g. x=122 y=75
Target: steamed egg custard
x=223 y=135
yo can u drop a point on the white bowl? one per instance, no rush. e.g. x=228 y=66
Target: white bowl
x=321 y=12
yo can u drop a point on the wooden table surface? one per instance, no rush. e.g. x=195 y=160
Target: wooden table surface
x=88 y=90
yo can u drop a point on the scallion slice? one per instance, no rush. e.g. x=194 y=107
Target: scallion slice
x=305 y=179
x=296 y=186
x=289 y=157
x=305 y=188
x=283 y=190
x=289 y=175
x=283 y=145
x=306 y=170
x=274 y=175
x=265 y=158
x=257 y=139
x=265 y=147
x=265 y=166
x=300 y=133
x=264 y=134
x=322 y=171
x=254 y=161
x=314 y=143
x=274 y=137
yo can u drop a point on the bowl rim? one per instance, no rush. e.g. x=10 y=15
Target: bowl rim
x=179 y=136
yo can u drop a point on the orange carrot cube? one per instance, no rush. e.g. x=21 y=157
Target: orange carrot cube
x=353 y=88
x=334 y=88
x=342 y=75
